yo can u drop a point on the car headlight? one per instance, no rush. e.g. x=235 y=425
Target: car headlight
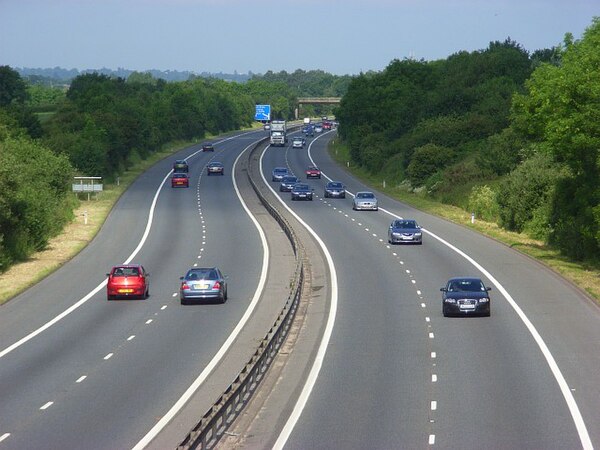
x=484 y=300
x=450 y=300
x=418 y=233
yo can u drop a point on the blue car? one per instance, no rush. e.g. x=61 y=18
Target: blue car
x=278 y=173
x=287 y=183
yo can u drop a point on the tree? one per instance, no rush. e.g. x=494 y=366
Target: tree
x=561 y=112
x=12 y=87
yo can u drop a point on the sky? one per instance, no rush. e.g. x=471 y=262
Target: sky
x=337 y=36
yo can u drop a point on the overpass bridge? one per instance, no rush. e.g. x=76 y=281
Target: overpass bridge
x=316 y=101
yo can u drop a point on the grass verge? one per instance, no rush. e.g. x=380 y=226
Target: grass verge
x=585 y=276
x=77 y=234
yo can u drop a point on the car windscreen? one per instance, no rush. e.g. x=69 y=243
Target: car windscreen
x=405 y=224
x=466 y=286
x=365 y=195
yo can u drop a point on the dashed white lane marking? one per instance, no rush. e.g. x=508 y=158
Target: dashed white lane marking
x=166 y=418
x=131 y=338
x=433 y=405
x=46 y=406
x=81 y=378
x=4 y=436
x=174 y=294
x=195 y=264
x=433 y=378
x=413 y=281
x=433 y=355
x=163 y=307
x=431 y=439
x=427 y=319
x=395 y=254
x=149 y=321
x=431 y=336
x=418 y=292
x=199 y=256
x=423 y=305
x=407 y=271
x=110 y=355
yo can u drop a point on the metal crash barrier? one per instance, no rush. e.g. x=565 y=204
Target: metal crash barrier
x=218 y=418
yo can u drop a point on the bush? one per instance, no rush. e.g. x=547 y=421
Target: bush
x=527 y=189
x=482 y=202
x=426 y=161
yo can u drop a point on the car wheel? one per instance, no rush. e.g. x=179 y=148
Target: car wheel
x=420 y=242
x=444 y=311
x=183 y=301
x=110 y=297
x=343 y=196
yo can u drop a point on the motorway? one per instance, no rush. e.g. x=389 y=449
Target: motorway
x=396 y=374
x=105 y=373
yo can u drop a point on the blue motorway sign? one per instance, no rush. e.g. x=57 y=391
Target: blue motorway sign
x=263 y=112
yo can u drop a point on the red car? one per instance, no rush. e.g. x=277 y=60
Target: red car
x=313 y=172
x=327 y=125
x=127 y=280
x=180 y=180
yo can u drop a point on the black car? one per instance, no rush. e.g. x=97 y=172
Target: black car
x=287 y=183
x=405 y=231
x=335 y=189
x=302 y=191
x=465 y=296
x=180 y=166
x=208 y=148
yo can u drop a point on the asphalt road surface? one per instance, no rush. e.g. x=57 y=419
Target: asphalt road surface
x=397 y=374
x=106 y=372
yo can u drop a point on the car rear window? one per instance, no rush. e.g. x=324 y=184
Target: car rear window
x=208 y=274
x=126 y=272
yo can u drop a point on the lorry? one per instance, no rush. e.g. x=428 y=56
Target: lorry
x=278 y=133
x=306 y=120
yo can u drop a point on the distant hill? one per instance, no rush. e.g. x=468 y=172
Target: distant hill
x=58 y=75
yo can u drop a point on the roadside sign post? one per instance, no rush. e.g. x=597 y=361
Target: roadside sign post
x=87 y=185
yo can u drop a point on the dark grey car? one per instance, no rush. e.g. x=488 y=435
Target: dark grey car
x=335 y=189
x=465 y=296
x=405 y=231
x=206 y=283
x=302 y=191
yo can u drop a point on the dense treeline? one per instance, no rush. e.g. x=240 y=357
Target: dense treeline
x=512 y=136
x=34 y=181
x=100 y=126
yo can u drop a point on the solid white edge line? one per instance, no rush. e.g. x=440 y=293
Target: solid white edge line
x=558 y=376
x=94 y=291
x=317 y=364
x=227 y=344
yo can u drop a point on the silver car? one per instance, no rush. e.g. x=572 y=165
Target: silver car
x=365 y=201
x=405 y=231
x=206 y=283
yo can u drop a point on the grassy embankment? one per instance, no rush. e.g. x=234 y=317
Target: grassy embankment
x=586 y=276
x=77 y=234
